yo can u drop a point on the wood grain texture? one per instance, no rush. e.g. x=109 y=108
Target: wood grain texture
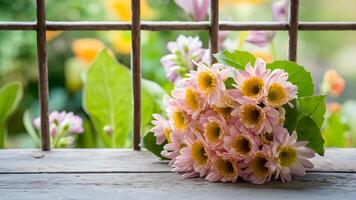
x=169 y=186
x=124 y=160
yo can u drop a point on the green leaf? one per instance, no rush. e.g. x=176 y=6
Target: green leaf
x=237 y=59
x=152 y=100
x=308 y=130
x=10 y=97
x=291 y=117
x=88 y=138
x=27 y=119
x=335 y=131
x=313 y=107
x=229 y=82
x=296 y=75
x=108 y=98
x=149 y=142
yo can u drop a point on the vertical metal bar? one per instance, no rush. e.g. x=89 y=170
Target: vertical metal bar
x=214 y=29
x=136 y=70
x=293 y=29
x=43 y=76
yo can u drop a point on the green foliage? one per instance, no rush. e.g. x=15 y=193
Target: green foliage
x=10 y=97
x=27 y=119
x=296 y=75
x=291 y=116
x=108 y=99
x=307 y=130
x=313 y=107
x=149 y=142
x=335 y=131
x=237 y=59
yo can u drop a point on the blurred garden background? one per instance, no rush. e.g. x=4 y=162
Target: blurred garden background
x=70 y=55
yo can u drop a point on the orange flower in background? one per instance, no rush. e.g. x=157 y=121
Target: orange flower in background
x=121 y=41
x=86 y=49
x=333 y=107
x=50 y=35
x=334 y=83
x=122 y=9
x=267 y=57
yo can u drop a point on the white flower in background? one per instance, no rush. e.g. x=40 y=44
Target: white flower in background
x=183 y=53
x=61 y=125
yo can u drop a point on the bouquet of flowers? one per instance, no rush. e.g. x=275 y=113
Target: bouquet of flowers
x=241 y=118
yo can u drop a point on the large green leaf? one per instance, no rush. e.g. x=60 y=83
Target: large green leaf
x=313 y=107
x=296 y=75
x=149 y=142
x=108 y=98
x=237 y=59
x=307 y=130
x=10 y=97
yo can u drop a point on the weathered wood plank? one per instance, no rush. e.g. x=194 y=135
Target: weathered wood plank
x=169 y=186
x=121 y=160
x=79 y=160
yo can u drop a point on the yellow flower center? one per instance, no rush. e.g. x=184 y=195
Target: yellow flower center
x=252 y=87
x=287 y=156
x=213 y=131
x=167 y=133
x=277 y=95
x=252 y=115
x=198 y=153
x=225 y=167
x=206 y=81
x=224 y=111
x=241 y=145
x=258 y=165
x=192 y=99
x=179 y=120
x=267 y=137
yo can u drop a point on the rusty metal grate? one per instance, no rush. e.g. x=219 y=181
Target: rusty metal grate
x=213 y=26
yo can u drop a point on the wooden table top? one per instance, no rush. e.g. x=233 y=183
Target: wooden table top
x=126 y=174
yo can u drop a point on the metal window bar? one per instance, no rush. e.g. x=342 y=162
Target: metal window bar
x=136 y=25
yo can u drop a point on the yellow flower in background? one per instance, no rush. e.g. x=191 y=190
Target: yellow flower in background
x=224 y=3
x=86 y=49
x=50 y=35
x=267 y=57
x=121 y=41
x=122 y=9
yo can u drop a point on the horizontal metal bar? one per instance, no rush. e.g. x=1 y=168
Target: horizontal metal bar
x=327 y=26
x=18 y=25
x=174 y=25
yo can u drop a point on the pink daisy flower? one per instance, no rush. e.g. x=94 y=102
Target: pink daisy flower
x=240 y=146
x=258 y=170
x=172 y=149
x=291 y=156
x=210 y=80
x=250 y=83
x=223 y=168
x=256 y=119
x=161 y=129
x=189 y=99
x=279 y=91
x=215 y=128
x=194 y=158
